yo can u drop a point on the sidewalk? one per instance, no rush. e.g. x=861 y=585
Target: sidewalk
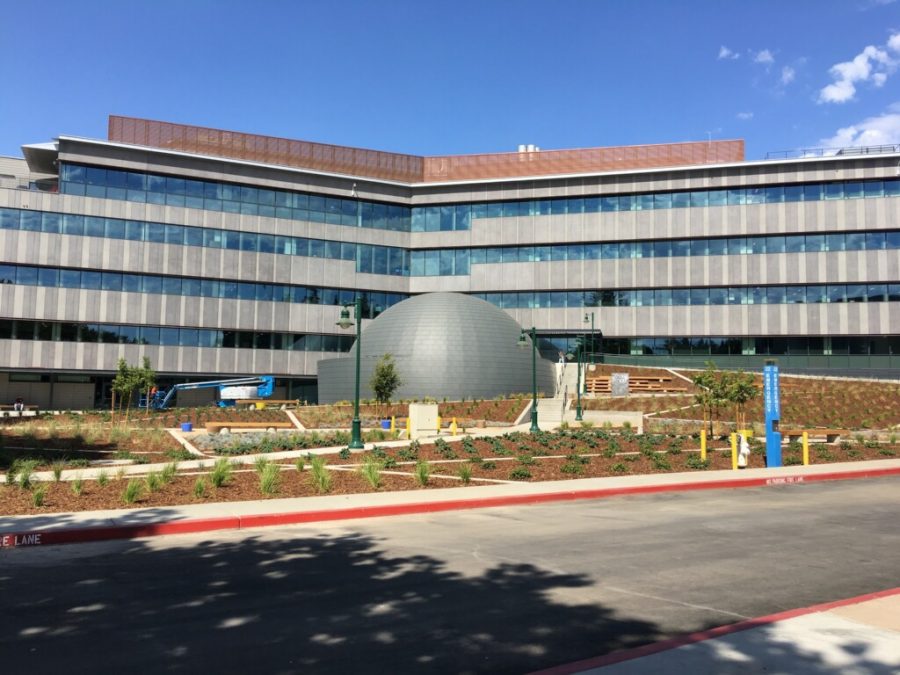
x=855 y=636
x=59 y=528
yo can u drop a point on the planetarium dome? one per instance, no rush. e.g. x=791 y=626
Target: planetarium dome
x=444 y=345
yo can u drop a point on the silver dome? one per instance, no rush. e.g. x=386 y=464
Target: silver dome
x=445 y=345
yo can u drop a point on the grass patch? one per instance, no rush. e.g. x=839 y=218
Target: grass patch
x=269 y=479
x=371 y=471
x=132 y=491
x=37 y=497
x=422 y=473
x=221 y=473
x=77 y=485
x=465 y=474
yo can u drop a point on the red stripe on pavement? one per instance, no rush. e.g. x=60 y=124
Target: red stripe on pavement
x=700 y=636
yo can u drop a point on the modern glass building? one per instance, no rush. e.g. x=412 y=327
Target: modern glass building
x=220 y=253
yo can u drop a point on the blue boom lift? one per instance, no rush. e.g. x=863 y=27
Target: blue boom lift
x=238 y=388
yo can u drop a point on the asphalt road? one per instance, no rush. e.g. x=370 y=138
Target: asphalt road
x=495 y=590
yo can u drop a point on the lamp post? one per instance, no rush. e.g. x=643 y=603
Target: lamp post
x=534 y=404
x=579 y=350
x=345 y=322
x=593 y=344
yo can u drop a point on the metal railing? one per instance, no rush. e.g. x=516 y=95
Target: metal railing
x=800 y=153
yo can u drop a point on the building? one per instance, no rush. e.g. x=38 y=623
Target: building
x=220 y=253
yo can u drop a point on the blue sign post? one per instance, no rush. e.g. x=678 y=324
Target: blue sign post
x=772 y=398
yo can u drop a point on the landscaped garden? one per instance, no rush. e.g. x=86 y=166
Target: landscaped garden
x=66 y=446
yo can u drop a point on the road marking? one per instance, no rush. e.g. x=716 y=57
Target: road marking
x=673 y=602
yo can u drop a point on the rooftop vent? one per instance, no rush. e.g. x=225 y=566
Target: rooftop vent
x=529 y=148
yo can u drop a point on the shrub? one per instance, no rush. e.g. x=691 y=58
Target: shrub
x=167 y=475
x=371 y=471
x=269 y=478
x=221 y=473
x=37 y=497
x=422 y=473
x=488 y=466
x=132 y=491
x=300 y=463
x=24 y=472
x=792 y=460
x=77 y=485
x=345 y=453
x=261 y=464
x=619 y=468
x=527 y=460
x=660 y=462
x=56 y=469
x=520 y=473
x=102 y=478
x=389 y=463
x=154 y=482
x=694 y=462
x=180 y=455
x=319 y=475
x=887 y=452
x=609 y=453
x=572 y=467
x=465 y=474
x=199 y=488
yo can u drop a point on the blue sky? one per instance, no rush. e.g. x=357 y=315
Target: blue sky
x=434 y=77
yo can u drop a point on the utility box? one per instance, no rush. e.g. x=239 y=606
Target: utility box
x=423 y=419
x=619 y=384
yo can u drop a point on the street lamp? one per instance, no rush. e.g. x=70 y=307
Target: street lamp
x=578 y=350
x=345 y=322
x=522 y=342
x=593 y=344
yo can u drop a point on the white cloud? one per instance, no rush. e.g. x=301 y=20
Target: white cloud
x=787 y=75
x=765 y=57
x=725 y=53
x=879 y=130
x=893 y=42
x=745 y=115
x=872 y=64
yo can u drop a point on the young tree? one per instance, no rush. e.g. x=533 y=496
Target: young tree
x=385 y=379
x=741 y=390
x=713 y=394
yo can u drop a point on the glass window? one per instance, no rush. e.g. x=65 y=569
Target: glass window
x=755 y=196
x=875 y=241
x=853 y=190
x=700 y=296
x=776 y=295
x=30 y=221
x=873 y=188
x=812 y=193
x=774 y=195
x=856 y=293
x=27 y=276
x=835 y=242
x=736 y=196
x=662 y=201
x=700 y=198
x=681 y=296
x=717 y=296
x=836 y=293
x=793 y=193
x=795 y=294
x=877 y=293
x=111 y=281
x=855 y=241
x=716 y=247
x=48 y=277
x=681 y=200
x=795 y=243
x=892 y=187
x=834 y=191
x=67 y=278
x=775 y=244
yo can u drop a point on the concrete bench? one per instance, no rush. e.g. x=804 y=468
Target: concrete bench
x=225 y=427
x=830 y=435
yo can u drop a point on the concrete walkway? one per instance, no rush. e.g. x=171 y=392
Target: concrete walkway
x=857 y=636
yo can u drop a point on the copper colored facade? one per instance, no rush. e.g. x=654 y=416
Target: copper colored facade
x=412 y=168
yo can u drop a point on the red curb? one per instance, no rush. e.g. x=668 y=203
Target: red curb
x=46 y=537
x=700 y=636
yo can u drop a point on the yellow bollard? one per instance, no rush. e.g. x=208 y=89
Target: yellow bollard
x=805 y=448
x=703 y=445
x=453 y=427
x=393 y=424
x=734 y=465
x=439 y=424
x=408 y=429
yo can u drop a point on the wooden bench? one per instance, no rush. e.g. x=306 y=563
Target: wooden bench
x=225 y=427
x=267 y=402
x=12 y=407
x=830 y=435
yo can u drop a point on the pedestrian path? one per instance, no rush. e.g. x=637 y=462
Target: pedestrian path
x=857 y=636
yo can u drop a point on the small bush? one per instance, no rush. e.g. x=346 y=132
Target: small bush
x=520 y=473
x=300 y=464
x=167 y=475
x=389 y=463
x=886 y=452
x=180 y=455
x=422 y=473
x=660 y=462
x=37 y=497
x=527 y=460
x=221 y=473
x=269 y=478
x=199 y=488
x=319 y=475
x=609 y=453
x=77 y=485
x=488 y=466
x=56 y=469
x=24 y=471
x=102 y=478
x=154 y=482
x=619 y=468
x=261 y=464
x=694 y=462
x=132 y=491
x=465 y=474
x=345 y=453
x=572 y=468
x=793 y=460
x=371 y=471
